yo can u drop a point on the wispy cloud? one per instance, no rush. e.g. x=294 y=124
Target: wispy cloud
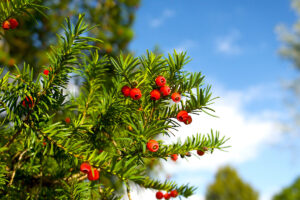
x=185 y=45
x=159 y=20
x=228 y=44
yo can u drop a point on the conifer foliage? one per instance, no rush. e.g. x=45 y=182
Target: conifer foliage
x=110 y=132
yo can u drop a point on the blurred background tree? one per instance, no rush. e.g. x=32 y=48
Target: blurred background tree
x=291 y=192
x=29 y=42
x=229 y=186
x=291 y=51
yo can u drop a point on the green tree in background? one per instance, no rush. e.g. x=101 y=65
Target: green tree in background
x=33 y=37
x=291 y=51
x=291 y=192
x=229 y=186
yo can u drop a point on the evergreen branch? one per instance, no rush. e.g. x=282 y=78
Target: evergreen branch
x=71 y=46
x=103 y=118
x=58 y=129
x=125 y=66
x=18 y=7
x=124 y=169
x=196 y=142
x=184 y=190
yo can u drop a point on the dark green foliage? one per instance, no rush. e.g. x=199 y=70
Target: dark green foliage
x=291 y=192
x=229 y=186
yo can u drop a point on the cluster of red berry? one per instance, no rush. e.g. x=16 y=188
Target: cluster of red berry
x=134 y=93
x=184 y=117
x=93 y=173
x=160 y=195
x=11 y=23
x=155 y=94
x=164 y=90
x=28 y=103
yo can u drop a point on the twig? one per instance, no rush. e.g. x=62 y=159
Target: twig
x=128 y=192
x=114 y=143
x=13 y=138
x=16 y=167
x=78 y=177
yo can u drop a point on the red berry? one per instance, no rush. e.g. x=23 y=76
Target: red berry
x=135 y=94
x=160 y=81
x=44 y=143
x=152 y=145
x=29 y=104
x=167 y=196
x=182 y=115
x=154 y=95
x=46 y=72
x=85 y=168
x=187 y=120
x=174 y=157
x=126 y=90
x=200 y=153
x=100 y=151
x=67 y=120
x=93 y=175
x=13 y=23
x=6 y=25
x=165 y=90
x=176 y=97
x=174 y=193
x=159 y=195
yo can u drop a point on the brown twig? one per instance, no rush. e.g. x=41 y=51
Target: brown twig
x=13 y=138
x=128 y=192
x=16 y=167
x=114 y=142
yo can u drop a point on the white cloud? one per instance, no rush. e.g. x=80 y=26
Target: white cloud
x=183 y=46
x=158 y=21
x=228 y=44
x=248 y=132
x=141 y=193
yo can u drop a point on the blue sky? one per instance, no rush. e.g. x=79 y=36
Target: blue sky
x=235 y=45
